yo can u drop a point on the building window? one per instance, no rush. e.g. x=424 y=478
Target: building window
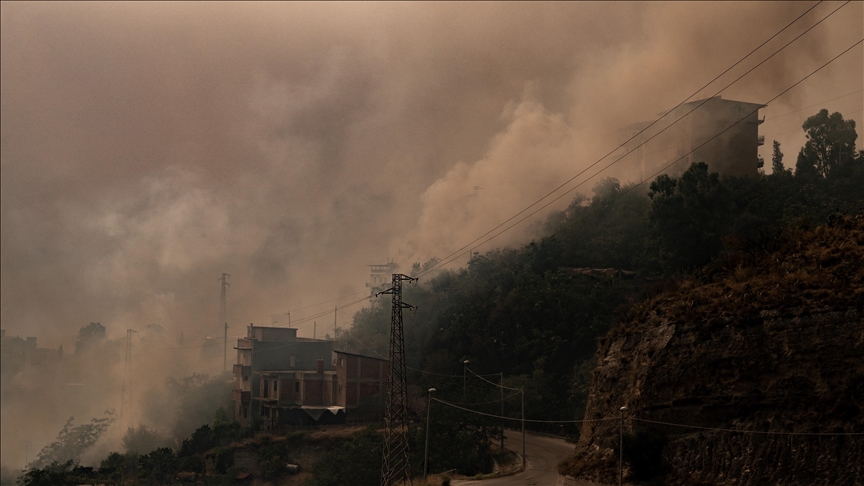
x=341 y=362
x=274 y=387
x=296 y=387
x=266 y=387
x=340 y=389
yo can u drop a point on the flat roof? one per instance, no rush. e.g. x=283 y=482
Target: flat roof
x=361 y=355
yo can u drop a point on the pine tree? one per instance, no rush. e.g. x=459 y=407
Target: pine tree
x=777 y=166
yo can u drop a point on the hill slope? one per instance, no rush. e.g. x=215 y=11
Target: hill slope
x=773 y=347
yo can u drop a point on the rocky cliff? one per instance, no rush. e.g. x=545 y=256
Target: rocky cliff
x=756 y=368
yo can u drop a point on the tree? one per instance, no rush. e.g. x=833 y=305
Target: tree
x=830 y=143
x=356 y=461
x=115 y=467
x=777 y=167
x=72 y=441
x=89 y=336
x=142 y=440
x=689 y=216
x=50 y=474
x=160 y=465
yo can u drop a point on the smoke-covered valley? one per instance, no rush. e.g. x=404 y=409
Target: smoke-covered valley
x=149 y=147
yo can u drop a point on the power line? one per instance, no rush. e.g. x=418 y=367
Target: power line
x=525 y=420
x=451 y=257
x=653 y=422
x=799 y=128
x=813 y=106
x=305 y=319
x=663 y=168
x=497 y=400
x=490 y=382
x=762 y=432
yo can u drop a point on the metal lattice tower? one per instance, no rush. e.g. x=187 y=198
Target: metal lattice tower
x=396 y=467
x=223 y=319
x=126 y=399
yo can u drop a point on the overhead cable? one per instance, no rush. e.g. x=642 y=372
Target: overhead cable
x=663 y=168
x=449 y=258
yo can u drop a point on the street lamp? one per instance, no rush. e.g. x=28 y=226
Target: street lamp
x=522 y=390
x=426 y=454
x=621 y=449
x=465 y=379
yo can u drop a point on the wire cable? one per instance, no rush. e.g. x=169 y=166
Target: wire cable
x=762 y=432
x=813 y=106
x=526 y=420
x=497 y=400
x=492 y=383
x=449 y=258
x=631 y=188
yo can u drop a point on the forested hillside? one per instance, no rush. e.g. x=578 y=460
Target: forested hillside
x=535 y=313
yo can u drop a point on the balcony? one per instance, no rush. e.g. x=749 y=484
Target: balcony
x=761 y=140
x=242 y=396
x=242 y=370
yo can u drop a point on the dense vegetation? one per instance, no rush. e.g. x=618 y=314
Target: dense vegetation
x=525 y=311
x=535 y=313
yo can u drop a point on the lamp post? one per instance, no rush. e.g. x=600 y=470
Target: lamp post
x=522 y=389
x=465 y=379
x=621 y=449
x=502 y=411
x=426 y=453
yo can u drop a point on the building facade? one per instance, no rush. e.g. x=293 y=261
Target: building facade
x=282 y=379
x=722 y=133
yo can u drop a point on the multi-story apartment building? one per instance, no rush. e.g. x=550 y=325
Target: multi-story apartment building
x=289 y=380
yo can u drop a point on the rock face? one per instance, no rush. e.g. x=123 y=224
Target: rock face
x=733 y=354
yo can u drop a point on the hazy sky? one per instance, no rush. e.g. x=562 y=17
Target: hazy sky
x=149 y=147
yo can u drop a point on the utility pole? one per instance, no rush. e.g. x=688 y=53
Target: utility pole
x=223 y=318
x=314 y=329
x=335 y=327
x=126 y=398
x=502 y=412
x=523 y=428
x=426 y=453
x=465 y=378
x=621 y=449
x=396 y=467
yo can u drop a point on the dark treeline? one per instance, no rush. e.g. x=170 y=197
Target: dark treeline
x=535 y=313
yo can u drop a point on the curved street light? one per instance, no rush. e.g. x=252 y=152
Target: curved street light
x=621 y=449
x=426 y=453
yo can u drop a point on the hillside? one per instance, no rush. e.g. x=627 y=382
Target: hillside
x=772 y=348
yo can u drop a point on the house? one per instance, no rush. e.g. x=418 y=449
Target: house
x=285 y=379
x=16 y=354
x=361 y=385
x=722 y=133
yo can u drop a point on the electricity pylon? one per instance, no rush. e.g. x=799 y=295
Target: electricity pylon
x=396 y=468
x=223 y=318
x=126 y=398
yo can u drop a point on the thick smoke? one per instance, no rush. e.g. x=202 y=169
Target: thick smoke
x=147 y=148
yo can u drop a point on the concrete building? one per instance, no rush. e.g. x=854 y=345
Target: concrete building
x=284 y=379
x=734 y=152
x=17 y=354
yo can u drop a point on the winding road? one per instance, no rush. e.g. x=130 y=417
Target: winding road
x=543 y=455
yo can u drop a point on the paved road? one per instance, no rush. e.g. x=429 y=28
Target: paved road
x=543 y=455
